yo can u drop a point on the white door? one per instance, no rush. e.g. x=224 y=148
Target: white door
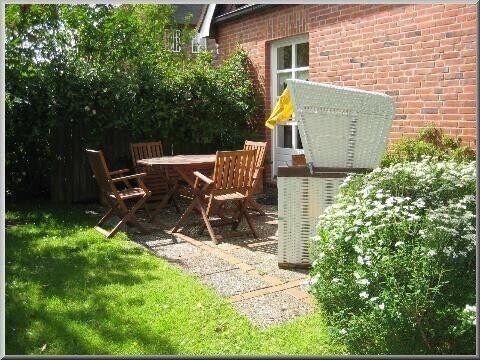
x=289 y=60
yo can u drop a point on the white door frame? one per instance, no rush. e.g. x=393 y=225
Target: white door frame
x=298 y=39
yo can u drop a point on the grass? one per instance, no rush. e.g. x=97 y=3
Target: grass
x=71 y=291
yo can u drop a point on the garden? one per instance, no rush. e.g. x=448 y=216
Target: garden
x=393 y=259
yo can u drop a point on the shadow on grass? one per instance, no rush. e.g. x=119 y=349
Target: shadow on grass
x=69 y=288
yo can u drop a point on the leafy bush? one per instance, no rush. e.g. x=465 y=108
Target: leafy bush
x=429 y=142
x=99 y=76
x=395 y=259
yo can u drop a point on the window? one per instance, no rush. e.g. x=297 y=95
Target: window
x=198 y=44
x=289 y=60
x=173 y=40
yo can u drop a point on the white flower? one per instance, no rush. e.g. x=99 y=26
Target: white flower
x=364 y=295
x=343 y=332
x=381 y=306
x=363 y=282
x=419 y=203
x=470 y=308
x=314 y=280
x=360 y=260
x=432 y=253
x=374 y=298
x=399 y=243
x=413 y=217
x=86 y=108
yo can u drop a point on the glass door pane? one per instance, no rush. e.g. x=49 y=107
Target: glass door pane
x=287 y=136
x=302 y=75
x=299 y=140
x=284 y=57
x=302 y=55
x=282 y=82
x=284 y=136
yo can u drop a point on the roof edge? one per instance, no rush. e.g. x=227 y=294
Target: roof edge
x=248 y=9
x=204 y=30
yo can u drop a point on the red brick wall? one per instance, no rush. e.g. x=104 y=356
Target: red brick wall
x=422 y=55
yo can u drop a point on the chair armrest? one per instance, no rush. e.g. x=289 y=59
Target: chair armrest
x=203 y=177
x=128 y=177
x=119 y=171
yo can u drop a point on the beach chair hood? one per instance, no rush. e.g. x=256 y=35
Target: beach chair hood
x=340 y=126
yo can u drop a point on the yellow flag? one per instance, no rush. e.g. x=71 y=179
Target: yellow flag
x=283 y=110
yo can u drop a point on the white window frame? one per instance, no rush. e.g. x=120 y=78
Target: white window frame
x=198 y=44
x=292 y=41
x=173 y=40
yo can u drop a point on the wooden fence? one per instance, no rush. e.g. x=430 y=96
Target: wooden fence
x=71 y=179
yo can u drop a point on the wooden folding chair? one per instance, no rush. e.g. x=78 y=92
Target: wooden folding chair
x=117 y=198
x=232 y=182
x=158 y=181
x=260 y=148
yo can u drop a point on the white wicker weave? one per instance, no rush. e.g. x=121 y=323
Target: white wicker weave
x=300 y=201
x=340 y=128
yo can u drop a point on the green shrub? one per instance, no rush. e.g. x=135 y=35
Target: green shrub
x=116 y=85
x=394 y=260
x=429 y=142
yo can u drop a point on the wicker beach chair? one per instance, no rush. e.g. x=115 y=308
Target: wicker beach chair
x=343 y=130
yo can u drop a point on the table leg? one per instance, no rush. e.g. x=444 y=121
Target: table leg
x=188 y=179
x=164 y=201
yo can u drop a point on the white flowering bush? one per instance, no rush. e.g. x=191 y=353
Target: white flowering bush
x=394 y=260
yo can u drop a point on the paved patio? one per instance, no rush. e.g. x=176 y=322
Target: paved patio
x=240 y=268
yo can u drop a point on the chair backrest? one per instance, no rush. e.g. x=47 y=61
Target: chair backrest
x=145 y=151
x=260 y=149
x=234 y=170
x=100 y=171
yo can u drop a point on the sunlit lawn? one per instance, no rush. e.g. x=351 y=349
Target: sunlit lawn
x=71 y=291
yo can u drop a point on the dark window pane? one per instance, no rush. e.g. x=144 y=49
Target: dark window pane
x=284 y=57
x=287 y=136
x=302 y=55
x=282 y=82
x=299 y=140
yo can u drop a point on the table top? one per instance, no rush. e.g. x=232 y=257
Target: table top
x=179 y=160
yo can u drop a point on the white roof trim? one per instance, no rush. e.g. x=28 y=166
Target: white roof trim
x=207 y=20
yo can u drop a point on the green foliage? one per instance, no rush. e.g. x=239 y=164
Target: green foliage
x=394 y=264
x=429 y=142
x=69 y=289
x=79 y=75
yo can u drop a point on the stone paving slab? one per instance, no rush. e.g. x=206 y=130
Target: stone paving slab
x=271 y=309
x=206 y=264
x=234 y=282
x=176 y=251
x=269 y=265
x=245 y=255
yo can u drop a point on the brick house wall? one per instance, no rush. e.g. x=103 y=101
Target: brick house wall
x=424 y=56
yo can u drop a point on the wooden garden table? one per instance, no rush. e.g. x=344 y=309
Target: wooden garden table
x=184 y=166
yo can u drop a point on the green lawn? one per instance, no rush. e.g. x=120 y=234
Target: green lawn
x=71 y=291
